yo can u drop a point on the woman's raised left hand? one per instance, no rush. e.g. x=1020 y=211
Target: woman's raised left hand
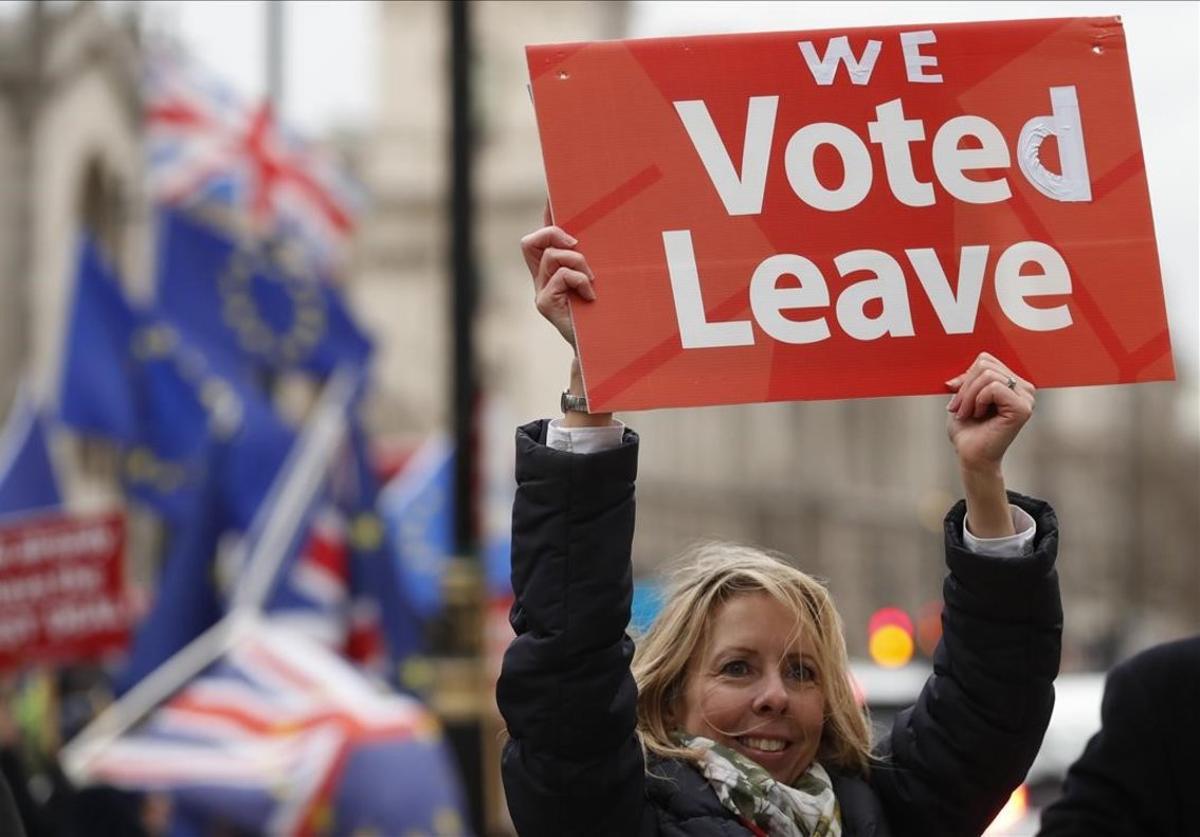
x=989 y=407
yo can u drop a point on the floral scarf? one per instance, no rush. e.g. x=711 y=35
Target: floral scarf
x=807 y=808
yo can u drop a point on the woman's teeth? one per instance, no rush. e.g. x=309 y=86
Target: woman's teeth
x=768 y=745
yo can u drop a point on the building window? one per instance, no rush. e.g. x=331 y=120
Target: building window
x=101 y=209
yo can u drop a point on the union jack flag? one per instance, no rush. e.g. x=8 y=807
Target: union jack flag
x=281 y=736
x=341 y=586
x=317 y=596
x=209 y=149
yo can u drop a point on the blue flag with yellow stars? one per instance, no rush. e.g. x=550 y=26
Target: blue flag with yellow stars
x=187 y=601
x=182 y=406
x=248 y=308
x=260 y=444
x=164 y=467
x=207 y=477
x=418 y=510
x=96 y=386
x=372 y=563
x=206 y=470
x=124 y=380
x=131 y=378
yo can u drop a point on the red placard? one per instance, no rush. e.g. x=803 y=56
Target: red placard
x=62 y=591
x=853 y=213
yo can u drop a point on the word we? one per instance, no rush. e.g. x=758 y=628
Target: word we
x=837 y=51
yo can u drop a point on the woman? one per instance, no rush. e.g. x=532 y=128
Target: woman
x=735 y=717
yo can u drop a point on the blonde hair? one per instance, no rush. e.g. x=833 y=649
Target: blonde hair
x=709 y=575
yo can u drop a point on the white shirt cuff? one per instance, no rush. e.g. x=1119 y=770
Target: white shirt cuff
x=584 y=439
x=1011 y=546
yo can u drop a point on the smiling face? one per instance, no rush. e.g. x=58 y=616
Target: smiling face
x=753 y=687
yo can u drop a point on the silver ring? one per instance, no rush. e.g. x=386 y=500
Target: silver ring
x=1011 y=383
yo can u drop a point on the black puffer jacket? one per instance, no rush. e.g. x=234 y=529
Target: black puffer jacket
x=573 y=765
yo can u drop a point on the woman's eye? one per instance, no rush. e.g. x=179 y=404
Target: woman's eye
x=735 y=668
x=803 y=673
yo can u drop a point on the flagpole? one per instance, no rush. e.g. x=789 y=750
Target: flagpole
x=77 y=755
x=275 y=55
x=291 y=494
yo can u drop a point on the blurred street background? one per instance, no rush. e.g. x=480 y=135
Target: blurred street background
x=265 y=337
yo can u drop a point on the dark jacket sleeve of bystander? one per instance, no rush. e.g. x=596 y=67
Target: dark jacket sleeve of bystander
x=954 y=758
x=10 y=819
x=572 y=764
x=1139 y=775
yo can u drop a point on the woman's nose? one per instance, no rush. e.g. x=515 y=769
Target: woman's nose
x=772 y=695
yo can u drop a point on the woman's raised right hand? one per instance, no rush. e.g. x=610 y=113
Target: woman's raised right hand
x=559 y=273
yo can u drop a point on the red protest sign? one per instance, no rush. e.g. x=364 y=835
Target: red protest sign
x=853 y=213
x=62 y=591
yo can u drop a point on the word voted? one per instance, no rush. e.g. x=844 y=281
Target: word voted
x=742 y=193
x=956 y=310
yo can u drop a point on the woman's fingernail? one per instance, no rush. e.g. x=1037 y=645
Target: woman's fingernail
x=572 y=240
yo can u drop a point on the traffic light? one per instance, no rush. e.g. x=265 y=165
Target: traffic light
x=890 y=637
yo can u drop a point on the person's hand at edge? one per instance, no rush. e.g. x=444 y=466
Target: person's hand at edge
x=561 y=276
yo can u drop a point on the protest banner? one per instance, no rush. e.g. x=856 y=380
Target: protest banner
x=62 y=588
x=838 y=214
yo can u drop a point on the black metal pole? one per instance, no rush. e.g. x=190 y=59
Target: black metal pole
x=464 y=733
x=461 y=241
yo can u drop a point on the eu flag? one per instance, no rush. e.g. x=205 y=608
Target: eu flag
x=182 y=405
x=259 y=446
x=373 y=570
x=247 y=311
x=128 y=378
x=418 y=509
x=405 y=785
x=153 y=389
x=228 y=475
x=165 y=464
x=27 y=478
x=187 y=601
x=96 y=387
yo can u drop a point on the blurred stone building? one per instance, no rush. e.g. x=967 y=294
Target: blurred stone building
x=70 y=157
x=403 y=284
x=854 y=490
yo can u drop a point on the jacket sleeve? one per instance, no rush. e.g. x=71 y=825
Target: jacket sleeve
x=573 y=764
x=954 y=758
